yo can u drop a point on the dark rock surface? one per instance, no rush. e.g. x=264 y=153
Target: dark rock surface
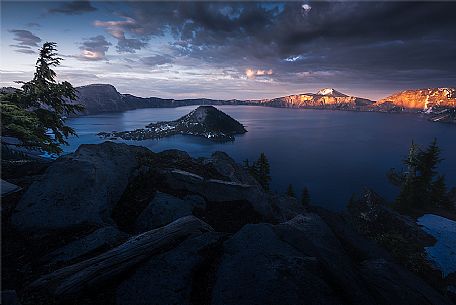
x=101 y=239
x=9 y=297
x=400 y=235
x=146 y=286
x=303 y=262
x=79 y=188
x=241 y=246
x=165 y=208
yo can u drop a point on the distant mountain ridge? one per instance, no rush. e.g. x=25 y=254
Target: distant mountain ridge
x=422 y=99
x=99 y=98
x=438 y=104
x=326 y=98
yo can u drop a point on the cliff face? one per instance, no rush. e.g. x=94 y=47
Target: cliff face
x=99 y=98
x=423 y=99
x=325 y=98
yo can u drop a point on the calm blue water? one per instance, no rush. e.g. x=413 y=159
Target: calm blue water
x=333 y=153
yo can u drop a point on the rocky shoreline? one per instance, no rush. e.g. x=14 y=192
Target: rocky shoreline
x=118 y=224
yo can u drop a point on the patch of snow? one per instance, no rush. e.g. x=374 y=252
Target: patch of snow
x=443 y=253
x=326 y=91
x=330 y=92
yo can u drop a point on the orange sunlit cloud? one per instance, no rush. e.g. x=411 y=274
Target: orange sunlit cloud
x=251 y=73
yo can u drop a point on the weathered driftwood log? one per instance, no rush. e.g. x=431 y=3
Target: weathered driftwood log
x=94 y=271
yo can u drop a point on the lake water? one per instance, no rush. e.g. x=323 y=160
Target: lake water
x=333 y=153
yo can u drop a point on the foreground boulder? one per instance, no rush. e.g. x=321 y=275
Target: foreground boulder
x=101 y=239
x=165 y=208
x=303 y=262
x=174 y=277
x=374 y=218
x=216 y=190
x=80 y=188
x=227 y=167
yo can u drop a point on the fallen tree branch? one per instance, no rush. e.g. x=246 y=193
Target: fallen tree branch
x=94 y=271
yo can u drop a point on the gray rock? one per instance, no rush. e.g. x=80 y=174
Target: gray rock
x=259 y=268
x=286 y=207
x=9 y=297
x=303 y=262
x=168 y=278
x=106 y=237
x=8 y=188
x=164 y=209
x=229 y=168
x=220 y=191
x=80 y=188
x=371 y=216
x=389 y=282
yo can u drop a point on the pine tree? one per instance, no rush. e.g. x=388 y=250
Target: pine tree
x=261 y=171
x=439 y=195
x=40 y=105
x=246 y=164
x=290 y=191
x=420 y=187
x=305 y=197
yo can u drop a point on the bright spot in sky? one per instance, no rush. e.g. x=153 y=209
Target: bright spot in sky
x=251 y=74
x=293 y=58
x=306 y=7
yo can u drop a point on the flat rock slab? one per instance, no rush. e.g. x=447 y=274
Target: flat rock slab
x=8 y=188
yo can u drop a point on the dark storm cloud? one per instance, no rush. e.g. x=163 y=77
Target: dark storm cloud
x=117 y=30
x=397 y=41
x=21 y=49
x=25 y=41
x=26 y=38
x=94 y=48
x=156 y=60
x=74 y=8
x=129 y=45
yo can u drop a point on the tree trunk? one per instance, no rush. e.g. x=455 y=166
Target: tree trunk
x=97 y=270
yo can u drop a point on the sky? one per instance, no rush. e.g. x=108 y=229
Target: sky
x=243 y=50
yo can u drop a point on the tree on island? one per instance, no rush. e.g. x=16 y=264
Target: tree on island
x=34 y=114
x=290 y=191
x=420 y=184
x=305 y=197
x=260 y=170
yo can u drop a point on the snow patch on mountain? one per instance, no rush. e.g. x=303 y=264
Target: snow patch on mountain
x=330 y=92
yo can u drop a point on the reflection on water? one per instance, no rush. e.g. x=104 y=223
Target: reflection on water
x=333 y=153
